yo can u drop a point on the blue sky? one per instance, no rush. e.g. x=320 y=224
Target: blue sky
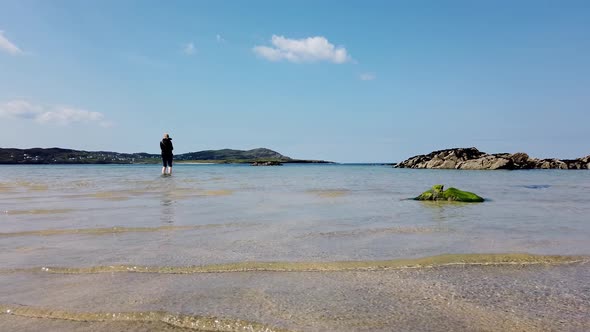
x=348 y=81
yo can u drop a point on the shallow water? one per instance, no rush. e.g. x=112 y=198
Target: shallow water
x=91 y=216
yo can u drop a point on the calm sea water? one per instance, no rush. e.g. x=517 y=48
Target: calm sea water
x=207 y=214
x=60 y=225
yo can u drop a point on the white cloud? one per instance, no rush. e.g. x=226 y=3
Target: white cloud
x=367 y=76
x=311 y=49
x=219 y=38
x=61 y=115
x=20 y=109
x=189 y=48
x=67 y=115
x=7 y=46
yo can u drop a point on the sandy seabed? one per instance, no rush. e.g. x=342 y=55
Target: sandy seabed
x=467 y=297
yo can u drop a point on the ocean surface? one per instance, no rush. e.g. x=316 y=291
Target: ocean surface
x=63 y=227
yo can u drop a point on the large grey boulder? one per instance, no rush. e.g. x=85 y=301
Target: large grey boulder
x=485 y=162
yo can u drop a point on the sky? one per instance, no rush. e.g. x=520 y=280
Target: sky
x=345 y=81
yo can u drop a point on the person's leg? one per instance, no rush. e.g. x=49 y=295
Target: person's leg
x=163 y=165
x=170 y=166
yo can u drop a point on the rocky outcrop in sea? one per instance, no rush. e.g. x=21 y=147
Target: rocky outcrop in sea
x=473 y=159
x=266 y=163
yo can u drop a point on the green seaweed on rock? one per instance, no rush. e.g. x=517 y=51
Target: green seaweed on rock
x=436 y=193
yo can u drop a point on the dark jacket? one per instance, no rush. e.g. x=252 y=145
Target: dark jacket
x=166 y=146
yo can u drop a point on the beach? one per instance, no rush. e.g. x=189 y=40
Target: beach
x=293 y=248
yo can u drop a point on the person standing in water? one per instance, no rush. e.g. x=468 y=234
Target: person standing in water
x=166 y=147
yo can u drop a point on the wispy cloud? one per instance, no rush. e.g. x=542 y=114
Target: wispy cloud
x=312 y=49
x=61 y=115
x=367 y=76
x=8 y=46
x=219 y=38
x=189 y=48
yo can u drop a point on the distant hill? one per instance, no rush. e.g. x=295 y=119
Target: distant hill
x=228 y=154
x=68 y=156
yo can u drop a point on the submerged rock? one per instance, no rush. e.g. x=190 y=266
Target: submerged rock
x=452 y=194
x=537 y=186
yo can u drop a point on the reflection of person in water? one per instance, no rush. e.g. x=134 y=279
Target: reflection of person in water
x=167 y=216
x=166 y=147
x=167 y=201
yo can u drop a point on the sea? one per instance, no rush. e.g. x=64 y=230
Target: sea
x=301 y=247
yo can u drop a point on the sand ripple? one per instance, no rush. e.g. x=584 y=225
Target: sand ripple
x=427 y=262
x=200 y=323
x=38 y=211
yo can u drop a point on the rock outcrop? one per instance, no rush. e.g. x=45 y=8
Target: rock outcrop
x=452 y=195
x=473 y=159
x=266 y=163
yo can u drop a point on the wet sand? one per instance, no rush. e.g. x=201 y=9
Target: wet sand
x=501 y=297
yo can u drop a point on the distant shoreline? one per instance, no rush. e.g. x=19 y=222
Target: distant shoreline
x=59 y=156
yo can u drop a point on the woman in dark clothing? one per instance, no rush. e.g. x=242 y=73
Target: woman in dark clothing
x=166 y=147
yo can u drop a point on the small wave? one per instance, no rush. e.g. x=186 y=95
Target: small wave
x=31 y=186
x=116 y=230
x=218 y=192
x=38 y=211
x=427 y=262
x=28 y=249
x=5 y=188
x=121 y=195
x=199 y=323
x=377 y=231
x=108 y=195
x=187 y=193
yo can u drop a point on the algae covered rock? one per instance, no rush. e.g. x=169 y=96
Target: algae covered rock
x=436 y=193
